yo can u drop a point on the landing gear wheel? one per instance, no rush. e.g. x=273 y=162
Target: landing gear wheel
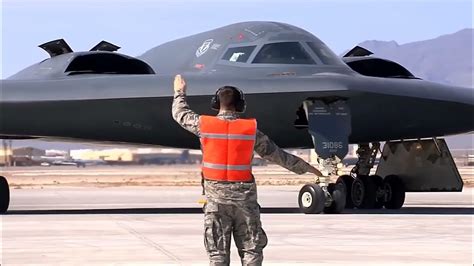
x=4 y=195
x=338 y=194
x=347 y=181
x=364 y=191
x=379 y=196
x=394 y=192
x=311 y=199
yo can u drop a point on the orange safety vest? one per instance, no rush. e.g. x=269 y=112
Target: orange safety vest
x=227 y=148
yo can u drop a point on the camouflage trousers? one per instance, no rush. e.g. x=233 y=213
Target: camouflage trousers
x=232 y=210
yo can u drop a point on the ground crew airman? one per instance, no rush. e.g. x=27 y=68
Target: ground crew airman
x=228 y=143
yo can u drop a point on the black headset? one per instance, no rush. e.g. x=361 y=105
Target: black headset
x=239 y=105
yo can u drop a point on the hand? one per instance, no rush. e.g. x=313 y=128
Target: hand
x=315 y=171
x=179 y=84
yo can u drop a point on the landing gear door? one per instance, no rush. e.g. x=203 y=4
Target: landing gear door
x=423 y=165
x=330 y=127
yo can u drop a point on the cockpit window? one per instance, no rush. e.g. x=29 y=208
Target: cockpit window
x=325 y=54
x=238 y=54
x=283 y=53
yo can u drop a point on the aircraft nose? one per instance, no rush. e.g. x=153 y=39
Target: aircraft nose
x=464 y=111
x=453 y=110
x=463 y=95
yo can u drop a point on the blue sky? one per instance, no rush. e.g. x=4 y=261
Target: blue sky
x=139 y=25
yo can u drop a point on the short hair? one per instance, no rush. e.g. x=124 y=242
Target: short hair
x=228 y=97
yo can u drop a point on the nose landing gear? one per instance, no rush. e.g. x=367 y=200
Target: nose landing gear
x=312 y=199
x=331 y=143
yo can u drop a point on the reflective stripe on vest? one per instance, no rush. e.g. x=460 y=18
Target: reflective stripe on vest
x=227 y=136
x=226 y=166
x=227 y=147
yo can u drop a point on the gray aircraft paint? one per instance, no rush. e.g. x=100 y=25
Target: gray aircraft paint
x=43 y=101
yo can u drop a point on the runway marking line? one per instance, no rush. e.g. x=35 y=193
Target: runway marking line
x=148 y=241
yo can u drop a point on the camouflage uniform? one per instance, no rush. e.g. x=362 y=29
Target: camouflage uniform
x=232 y=207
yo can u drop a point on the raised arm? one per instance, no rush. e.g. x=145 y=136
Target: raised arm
x=268 y=150
x=180 y=110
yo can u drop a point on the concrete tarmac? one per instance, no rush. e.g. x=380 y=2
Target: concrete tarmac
x=164 y=226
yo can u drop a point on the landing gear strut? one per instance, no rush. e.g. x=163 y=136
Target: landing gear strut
x=4 y=195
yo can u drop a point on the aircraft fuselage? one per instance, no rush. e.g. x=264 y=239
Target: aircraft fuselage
x=137 y=109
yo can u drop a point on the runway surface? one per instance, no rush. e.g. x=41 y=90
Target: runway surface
x=163 y=226
x=159 y=175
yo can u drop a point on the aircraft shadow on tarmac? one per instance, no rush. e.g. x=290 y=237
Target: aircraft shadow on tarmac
x=406 y=210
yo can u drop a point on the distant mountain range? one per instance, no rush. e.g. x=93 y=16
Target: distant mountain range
x=446 y=59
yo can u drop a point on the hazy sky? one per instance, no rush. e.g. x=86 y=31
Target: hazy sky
x=139 y=25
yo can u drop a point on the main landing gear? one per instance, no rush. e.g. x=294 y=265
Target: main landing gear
x=421 y=165
x=4 y=195
x=372 y=191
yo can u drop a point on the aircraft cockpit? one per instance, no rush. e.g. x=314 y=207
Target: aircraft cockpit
x=282 y=53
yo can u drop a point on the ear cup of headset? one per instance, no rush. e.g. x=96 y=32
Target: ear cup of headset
x=215 y=104
x=240 y=105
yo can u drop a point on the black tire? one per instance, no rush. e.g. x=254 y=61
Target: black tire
x=364 y=192
x=379 y=198
x=4 y=195
x=394 y=192
x=347 y=180
x=338 y=194
x=311 y=199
